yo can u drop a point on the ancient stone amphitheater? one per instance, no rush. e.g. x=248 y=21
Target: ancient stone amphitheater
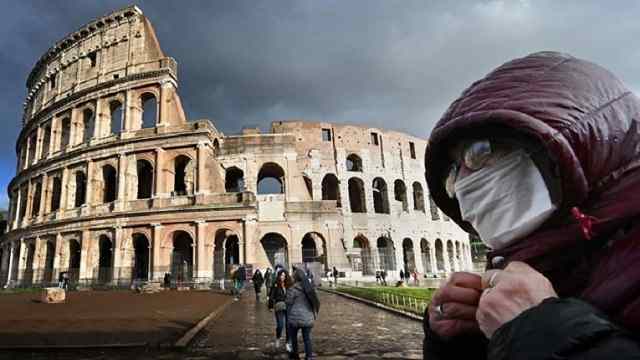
x=114 y=185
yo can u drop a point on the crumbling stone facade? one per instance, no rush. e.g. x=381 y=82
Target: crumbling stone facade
x=115 y=185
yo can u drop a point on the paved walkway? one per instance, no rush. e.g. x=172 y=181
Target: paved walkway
x=345 y=329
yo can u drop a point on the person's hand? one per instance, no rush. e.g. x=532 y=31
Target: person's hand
x=508 y=293
x=452 y=311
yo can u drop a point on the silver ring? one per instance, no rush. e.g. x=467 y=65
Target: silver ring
x=440 y=310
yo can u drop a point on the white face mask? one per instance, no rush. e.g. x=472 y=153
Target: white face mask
x=505 y=201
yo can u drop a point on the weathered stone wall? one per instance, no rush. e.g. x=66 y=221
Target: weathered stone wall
x=114 y=185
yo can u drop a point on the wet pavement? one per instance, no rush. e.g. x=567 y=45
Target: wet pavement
x=344 y=329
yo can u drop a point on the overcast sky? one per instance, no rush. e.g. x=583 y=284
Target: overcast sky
x=390 y=64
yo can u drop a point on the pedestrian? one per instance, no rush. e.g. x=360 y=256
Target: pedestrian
x=541 y=160
x=65 y=280
x=401 y=275
x=309 y=274
x=277 y=297
x=335 y=276
x=167 y=280
x=257 y=283
x=378 y=277
x=302 y=310
x=415 y=278
x=383 y=277
x=61 y=280
x=267 y=281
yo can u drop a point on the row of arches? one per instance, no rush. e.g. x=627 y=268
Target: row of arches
x=357 y=198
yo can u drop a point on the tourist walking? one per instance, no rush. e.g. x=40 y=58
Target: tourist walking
x=302 y=310
x=402 y=275
x=268 y=281
x=257 y=283
x=378 y=277
x=335 y=276
x=383 y=276
x=277 y=296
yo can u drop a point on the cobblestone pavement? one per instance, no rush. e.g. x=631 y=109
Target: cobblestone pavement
x=345 y=329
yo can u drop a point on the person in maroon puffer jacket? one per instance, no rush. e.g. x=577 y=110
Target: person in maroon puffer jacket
x=541 y=159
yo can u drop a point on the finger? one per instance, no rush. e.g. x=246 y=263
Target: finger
x=466 y=280
x=490 y=278
x=518 y=266
x=450 y=328
x=458 y=294
x=459 y=311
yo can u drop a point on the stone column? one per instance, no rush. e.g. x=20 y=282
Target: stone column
x=43 y=196
x=118 y=252
x=100 y=119
x=64 y=188
x=157 y=269
x=445 y=252
x=27 y=213
x=133 y=117
x=73 y=127
x=201 y=183
x=38 y=153
x=57 y=263
x=434 y=260
x=203 y=267
x=160 y=183
x=122 y=170
x=54 y=140
x=11 y=261
x=16 y=219
x=90 y=188
x=165 y=98
x=250 y=242
x=85 y=273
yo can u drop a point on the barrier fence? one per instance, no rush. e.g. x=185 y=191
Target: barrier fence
x=390 y=298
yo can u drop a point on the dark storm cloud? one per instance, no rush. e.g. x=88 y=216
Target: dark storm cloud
x=392 y=64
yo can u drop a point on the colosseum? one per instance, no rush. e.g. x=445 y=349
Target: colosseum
x=115 y=185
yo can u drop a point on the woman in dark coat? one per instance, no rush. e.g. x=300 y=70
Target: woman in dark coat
x=302 y=309
x=277 y=297
x=563 y=281
x=257 y=283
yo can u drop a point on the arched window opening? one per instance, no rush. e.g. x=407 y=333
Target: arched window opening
x=232 y=250
x=109 y=183
x=74 y=260
x=48 y=262
x=56 y=193
x=116 y=112
x=271 y=179
x=400 y=194
x=46 y=141
x=439 y=256
x=81 y=189
x=141 y=257
x=183 y=176
x=275 y=247
x=408 y=256
x=357 y=199
x=226 y=253
x=386 y=253
x=149 y=110
x=425 y=252
x=105 y=258
x=88 y=121
x=65 y=132
x=234 y=180
x=216 y=147
x=458 y=256
x=330 y=188
x=434 y=209
x=362 y=261
x=380 y=196
x=451 y=253
x=23 y=202
x=418 y=197
x=145 y=179
x=35 y=207
x=309 y=250
x=182 y=257
x=354 y=163
x=28 y=271
x=32 y=149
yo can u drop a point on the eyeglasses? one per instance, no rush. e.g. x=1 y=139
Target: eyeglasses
x=474 y=156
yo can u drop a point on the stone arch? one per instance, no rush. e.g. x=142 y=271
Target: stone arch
x=29 y=263
x=105 y=259
x=46 y=140
x=116 y=116
x=354 y=163
x=65 y=132
x=418 y=197
x=141 y=256
x=400 y=194
x=364 y=262
x=184 y=175
x=380 y=196
x=149 y=106
x=357 y=200
x=271 y=179
x=408 y=256
x=81 y=188
x=314 y=248
x=182 y=256
x=88 y=124
x=75 y=253
x=109 y=183
x=144 y=172
x=56 y=194
x=35 y=206
x=276 y=249
x=234 y=180
x=386 y=253
x=425 y=253
x=226 y=252
x=439 y=256
x=50 y=250
x=331 y=188
x=450 y=255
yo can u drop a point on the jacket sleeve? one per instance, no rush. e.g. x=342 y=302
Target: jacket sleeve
x=562 y=329
x=290 y=298
x=472 y=346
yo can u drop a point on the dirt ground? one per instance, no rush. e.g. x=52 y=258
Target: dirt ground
x=103 y=317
